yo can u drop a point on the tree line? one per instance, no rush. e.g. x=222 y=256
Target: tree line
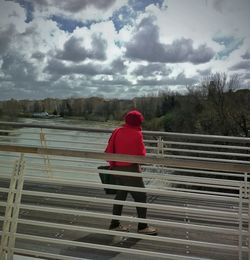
x=216 y=106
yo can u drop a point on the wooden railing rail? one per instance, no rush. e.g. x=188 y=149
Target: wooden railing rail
x=171 y=162
x=244 y=140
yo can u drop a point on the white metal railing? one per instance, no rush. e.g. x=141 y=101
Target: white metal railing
x=199 y=204
x=167 y=144
x=197 y=212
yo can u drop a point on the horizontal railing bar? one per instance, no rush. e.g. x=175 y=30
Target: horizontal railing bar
x=26 y=252
x=51 y=140
x=18 y=138
x=231 y=167
x=148 y=147
x=134 y=204
x=145 y=141
x=155 y=133
x=176 y=209
x=3 y=163
x=173 y=180
x=81 y=213
x=150 y=141
x=198 y=136
x=125 y=250
x=147 y=190
x=225 y=146
x=78 y=134
x=5 y=176
x=36 y=130
x=157 y=176
x=97 y=246
x=6 y=190
x=110 y=232
x=166 y=156
x=58 y=127
x=200 y=192
x=195 y=158
x=185 y=192
x=206 y=152
x=75 y=142
x=58 y=133
x=58 y=146
x=35 y=156
x=144 y=166
x=208 y=159
x=175 y=224
x=202 y=180
x=135 y=220
x=198 y=171
x=5 y=131
x=145 y=174
x=205 y=185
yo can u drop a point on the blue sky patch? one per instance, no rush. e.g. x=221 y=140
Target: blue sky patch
x=140 y=5
x=29 y=9
x=124 y=16
x=229 y=42
x=69 y=25
x=128 y=13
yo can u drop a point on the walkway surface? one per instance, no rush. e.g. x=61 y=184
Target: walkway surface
x=85 y=253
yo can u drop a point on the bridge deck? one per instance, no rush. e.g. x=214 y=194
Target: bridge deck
x=198 y=196
x=102 y=239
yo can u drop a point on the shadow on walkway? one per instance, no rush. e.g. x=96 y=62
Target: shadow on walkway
x=99 y=254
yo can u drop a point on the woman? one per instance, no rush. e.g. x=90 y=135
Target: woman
x=128 y=139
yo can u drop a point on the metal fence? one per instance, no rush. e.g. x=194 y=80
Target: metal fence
x=53 y=204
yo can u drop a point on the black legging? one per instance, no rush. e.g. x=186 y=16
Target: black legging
x=122 y=195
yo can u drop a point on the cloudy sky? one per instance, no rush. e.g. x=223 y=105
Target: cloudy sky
x=119 y=48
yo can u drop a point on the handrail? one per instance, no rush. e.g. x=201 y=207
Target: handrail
x=172 y=162
x=154 y=133
x=187 y=202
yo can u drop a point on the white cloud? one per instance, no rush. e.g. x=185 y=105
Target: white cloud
x=12 y=13
x=77 y=9
x=36 y=61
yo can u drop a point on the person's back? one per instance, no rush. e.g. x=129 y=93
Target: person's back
x=128 y=139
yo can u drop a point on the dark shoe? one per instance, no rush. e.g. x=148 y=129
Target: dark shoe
x=148 y=231
x=121 y=228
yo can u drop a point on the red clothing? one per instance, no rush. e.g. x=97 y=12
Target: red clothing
x=126 y=140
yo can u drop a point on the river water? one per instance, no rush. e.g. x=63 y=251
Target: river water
x=55 y=166
x=72 y=168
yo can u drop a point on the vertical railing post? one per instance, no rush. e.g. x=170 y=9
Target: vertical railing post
x=241 y=191
x=245 y=191
x=248 y=238
x=160 y=146
x=187 y=222
x=248 y=220
x=45 y=156
x=16 y=208
x=246 y=195
x=12 y=211
x=160 y=152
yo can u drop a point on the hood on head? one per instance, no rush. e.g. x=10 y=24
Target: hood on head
x=134 y=118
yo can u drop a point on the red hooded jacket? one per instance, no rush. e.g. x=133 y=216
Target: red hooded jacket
x=127 y=139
